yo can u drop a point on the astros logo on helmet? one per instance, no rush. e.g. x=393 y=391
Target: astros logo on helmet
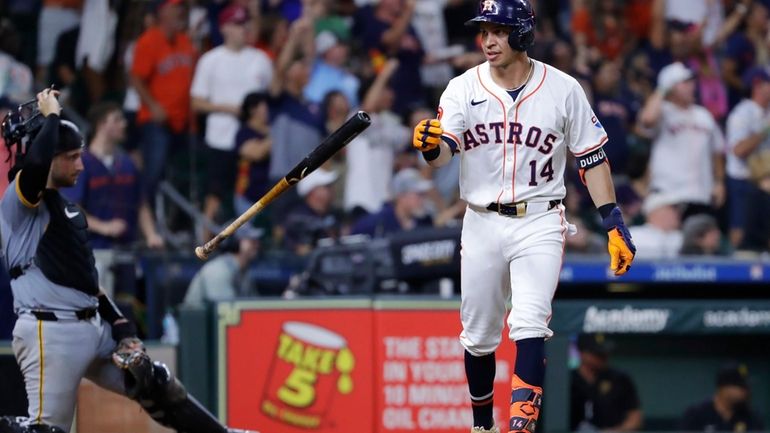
x=488 y=5
x=517 y=14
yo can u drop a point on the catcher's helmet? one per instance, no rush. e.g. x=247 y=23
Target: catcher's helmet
x=20 y=126
x=514 y=13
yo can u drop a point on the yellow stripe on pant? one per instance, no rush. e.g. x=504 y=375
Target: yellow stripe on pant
x=40 y=388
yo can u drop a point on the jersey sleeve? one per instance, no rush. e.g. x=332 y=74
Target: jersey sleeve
x=266 y=69
x=451 y=113
x=583 y=131
x=718 y=144
x=201 y=79
x=740 y=126
x=14 y=207
x=144 y=58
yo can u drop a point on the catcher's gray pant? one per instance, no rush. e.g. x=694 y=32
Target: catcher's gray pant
x=55 y=355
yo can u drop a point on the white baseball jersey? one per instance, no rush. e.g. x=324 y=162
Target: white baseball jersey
x=681 y=160
x=513 y=151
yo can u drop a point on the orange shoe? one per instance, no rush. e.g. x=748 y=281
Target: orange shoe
x=525 y=406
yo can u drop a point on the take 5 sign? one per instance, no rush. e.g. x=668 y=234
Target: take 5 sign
x=296 y=369
x=347 y=366
x=311 y=364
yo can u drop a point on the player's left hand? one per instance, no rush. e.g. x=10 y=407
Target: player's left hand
x=427 y=135
x=620 y=245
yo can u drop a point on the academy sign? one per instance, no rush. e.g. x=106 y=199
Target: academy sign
x=626 y=319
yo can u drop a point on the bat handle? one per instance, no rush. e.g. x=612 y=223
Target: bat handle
x=203 y=251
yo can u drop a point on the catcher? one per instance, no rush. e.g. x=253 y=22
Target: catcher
x=67 y=328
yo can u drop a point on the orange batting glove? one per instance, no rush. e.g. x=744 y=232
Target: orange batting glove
x=620 y=245
x=427 y=135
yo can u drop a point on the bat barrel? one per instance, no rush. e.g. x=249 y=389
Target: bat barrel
x=328 y=147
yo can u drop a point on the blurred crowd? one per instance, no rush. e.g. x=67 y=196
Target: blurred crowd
x=221 y=98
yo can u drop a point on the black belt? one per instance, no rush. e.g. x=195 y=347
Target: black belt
x=84 y=314
x=514 y=209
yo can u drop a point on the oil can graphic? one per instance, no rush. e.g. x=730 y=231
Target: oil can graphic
x=310 y=366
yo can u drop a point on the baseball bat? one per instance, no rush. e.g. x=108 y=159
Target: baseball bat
x=328 y=147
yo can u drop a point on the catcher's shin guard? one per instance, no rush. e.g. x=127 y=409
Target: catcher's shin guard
x=165 y=399
x=9 y=424
x=525 y=406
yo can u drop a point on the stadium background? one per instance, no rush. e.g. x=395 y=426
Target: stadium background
x=691 y=303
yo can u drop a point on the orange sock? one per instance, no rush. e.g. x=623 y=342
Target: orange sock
x=525 y=406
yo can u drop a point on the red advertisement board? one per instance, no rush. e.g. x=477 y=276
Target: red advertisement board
x=419 y=372
x=325 y=369
x=300 y=370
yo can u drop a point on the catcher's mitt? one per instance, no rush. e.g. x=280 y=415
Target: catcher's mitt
x=131 y=356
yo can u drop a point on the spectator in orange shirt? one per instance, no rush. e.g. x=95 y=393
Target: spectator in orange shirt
x=164 y=61
x=600 y=31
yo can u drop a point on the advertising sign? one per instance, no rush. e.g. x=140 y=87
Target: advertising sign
x=419 y=372
x=349 y=366
x=662 y=317
x=396 y=366
x=298 y=370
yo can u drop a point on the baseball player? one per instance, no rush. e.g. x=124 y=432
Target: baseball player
x=512 y=120
x=67 y=328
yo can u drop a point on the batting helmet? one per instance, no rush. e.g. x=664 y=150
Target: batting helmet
x=517 y=14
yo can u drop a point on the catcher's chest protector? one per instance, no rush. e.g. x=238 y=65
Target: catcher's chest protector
x=64 y=253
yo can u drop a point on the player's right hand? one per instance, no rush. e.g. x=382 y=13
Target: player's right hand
x=47 y=102
x=621 y=249
x=620 y=245
x=427 y=135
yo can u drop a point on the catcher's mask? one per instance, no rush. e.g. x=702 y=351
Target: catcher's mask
x=517 y=14
x=22 y=124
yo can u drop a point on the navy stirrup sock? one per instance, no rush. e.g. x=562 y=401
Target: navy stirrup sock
x=530 y=361
x=480 y=371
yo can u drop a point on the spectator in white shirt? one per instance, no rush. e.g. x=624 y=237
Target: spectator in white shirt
x=748 y=131
x=371 y=156
x=687 y=159
x=223 y=77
